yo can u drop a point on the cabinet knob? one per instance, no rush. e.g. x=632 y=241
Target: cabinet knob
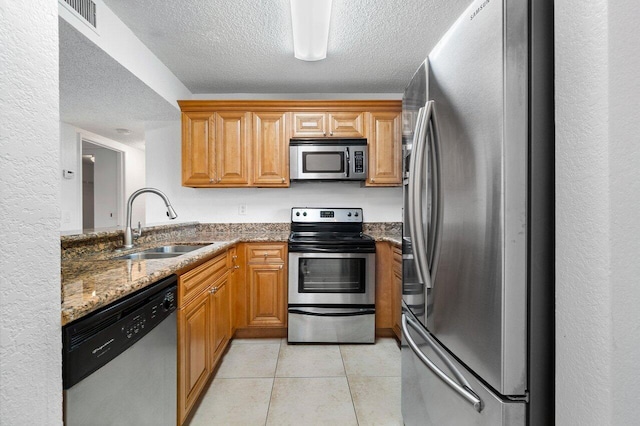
x=331 y=134
x=213 y=290
x=266 y=255
x=219 y=179
x=234 y=257
x=324 y=134
x=236 y=267
x=373 y=180
x=283 y=180
x=211 y=180
x=280 y=267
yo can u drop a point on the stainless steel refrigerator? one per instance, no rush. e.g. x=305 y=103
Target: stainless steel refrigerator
x=478 y=284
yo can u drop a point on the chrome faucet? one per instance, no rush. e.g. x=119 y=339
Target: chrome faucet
x=129 y=235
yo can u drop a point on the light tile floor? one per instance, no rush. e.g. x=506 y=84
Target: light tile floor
x=268 y=382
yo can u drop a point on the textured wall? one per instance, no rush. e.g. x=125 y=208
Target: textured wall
x=263 y=204
x=30 y=340
x=624 y=165
x=598 y=199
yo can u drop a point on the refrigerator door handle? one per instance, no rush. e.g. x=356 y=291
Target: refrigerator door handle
x=437 y=194
x=415 y=167
x=416 y=171
x=461 y=386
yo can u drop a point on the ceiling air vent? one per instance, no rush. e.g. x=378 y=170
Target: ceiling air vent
x=85 y=8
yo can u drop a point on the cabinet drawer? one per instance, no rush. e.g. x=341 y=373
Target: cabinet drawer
x=266 y=253
x=191 y=283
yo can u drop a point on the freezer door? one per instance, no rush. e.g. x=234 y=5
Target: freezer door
x=428 y=399
x=477 y=303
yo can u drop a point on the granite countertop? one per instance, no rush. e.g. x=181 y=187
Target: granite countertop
x=92 y=278
x=92 y=281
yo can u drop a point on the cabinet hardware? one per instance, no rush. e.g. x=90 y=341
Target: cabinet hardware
x=331 y=134
x=236 y=267
x=280 y=267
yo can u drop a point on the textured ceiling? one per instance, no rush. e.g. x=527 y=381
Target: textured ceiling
x=100 y=95
x=221 y=46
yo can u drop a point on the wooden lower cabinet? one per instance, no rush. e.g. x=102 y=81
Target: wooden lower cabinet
x=388 y=289
x=396 y=288
x=264 y=288
x=193 y=352
x=204 y=328
x=220 y=305
x=267 y=296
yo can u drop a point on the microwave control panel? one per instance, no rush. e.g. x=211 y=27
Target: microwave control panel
x=359 y=162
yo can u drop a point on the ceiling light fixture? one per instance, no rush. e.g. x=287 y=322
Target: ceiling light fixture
x=310 y=19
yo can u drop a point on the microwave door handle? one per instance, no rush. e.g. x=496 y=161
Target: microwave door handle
x=347 y=161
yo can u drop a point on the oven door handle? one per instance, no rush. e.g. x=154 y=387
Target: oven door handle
x=336 y=249
x=332 y=313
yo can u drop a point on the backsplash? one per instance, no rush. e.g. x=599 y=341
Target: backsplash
x=84 y=244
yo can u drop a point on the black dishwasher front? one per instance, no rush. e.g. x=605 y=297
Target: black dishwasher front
x=119 y=363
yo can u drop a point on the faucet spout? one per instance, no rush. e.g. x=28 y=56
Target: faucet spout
x=128 y=232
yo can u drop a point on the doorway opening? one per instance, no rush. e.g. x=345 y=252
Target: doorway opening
x=102 y=186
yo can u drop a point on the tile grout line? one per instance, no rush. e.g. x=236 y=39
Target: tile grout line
x=355 y=412
x=273 y=383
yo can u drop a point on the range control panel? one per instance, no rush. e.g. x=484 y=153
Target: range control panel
x=329 y=215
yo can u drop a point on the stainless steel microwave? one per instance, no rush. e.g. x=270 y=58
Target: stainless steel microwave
x=328 y=159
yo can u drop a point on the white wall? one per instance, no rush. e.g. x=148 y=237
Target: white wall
x=263 y=204
x=117 y=40
x=71 y=190
x=624 y=185
x=30 y=338
x=597 y=210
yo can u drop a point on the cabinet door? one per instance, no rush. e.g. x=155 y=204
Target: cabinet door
x=193 y=352
x=270 y=149
x=232 y=148
x=385 y=149
x=346 y=124
x=309 y=125
x=267 y=295
x=396 y=310
x=220 y=318
x=234 y=281
x=198 y=166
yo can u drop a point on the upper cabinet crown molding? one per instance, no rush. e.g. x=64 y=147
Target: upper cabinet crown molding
x=290 y=105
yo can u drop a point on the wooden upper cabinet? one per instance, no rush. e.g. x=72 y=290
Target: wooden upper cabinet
x=216 y=148
x=236 y=143
x=270 y=149
x=198 y=136
x=345 y=124
x=385 y=149
x=232 y=148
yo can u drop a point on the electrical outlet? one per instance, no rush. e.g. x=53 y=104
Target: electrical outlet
x=242 y=209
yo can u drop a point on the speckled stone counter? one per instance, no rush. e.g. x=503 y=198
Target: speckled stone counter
x=93 y=278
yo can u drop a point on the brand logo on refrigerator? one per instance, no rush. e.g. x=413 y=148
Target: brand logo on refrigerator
x=479 y=9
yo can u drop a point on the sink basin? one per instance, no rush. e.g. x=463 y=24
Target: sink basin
x=173 y=249
x=143 y=256
x=163 y=252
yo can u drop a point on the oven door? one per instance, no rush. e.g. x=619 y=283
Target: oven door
x=331 y=278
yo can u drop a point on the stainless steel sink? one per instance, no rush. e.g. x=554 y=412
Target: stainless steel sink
x=174 y=249
x=162 y=252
